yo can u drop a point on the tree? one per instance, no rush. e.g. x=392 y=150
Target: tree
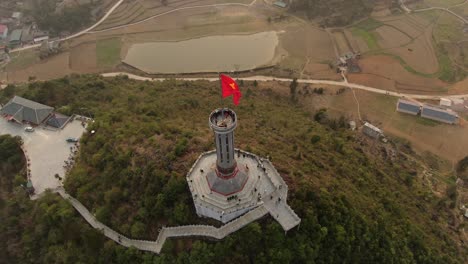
x=293 y=89
x=138 y=229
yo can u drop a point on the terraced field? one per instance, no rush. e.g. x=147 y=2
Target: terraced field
x=133 y=11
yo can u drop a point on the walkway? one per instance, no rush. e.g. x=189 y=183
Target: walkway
x=181 y=231
x=323 y=82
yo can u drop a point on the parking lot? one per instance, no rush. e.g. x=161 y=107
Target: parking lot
x=46 y=149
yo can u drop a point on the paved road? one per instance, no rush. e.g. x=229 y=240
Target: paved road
x=46 y=150
x=108 y=13
x=323 y=82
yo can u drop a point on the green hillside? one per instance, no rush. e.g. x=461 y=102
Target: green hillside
x=333 y=13
x=357 y=205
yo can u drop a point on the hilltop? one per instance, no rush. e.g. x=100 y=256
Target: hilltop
x=357 y=203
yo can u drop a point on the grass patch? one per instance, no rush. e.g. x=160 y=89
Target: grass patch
x=448 y=72
x=369 y=37
x=408 y=67
x=427 y=122
x=369 y=24
x=22 y=59
x=108 y=52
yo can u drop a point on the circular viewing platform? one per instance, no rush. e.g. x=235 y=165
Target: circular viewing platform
x=223 y=120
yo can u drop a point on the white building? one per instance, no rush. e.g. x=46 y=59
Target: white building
x=445 y=102
x=372 y=131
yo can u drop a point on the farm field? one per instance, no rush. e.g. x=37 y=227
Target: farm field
x=135 y=11
x=403 y=37
x=386 y=72
x=342 y=42
x=52 y=68
x=392 y=45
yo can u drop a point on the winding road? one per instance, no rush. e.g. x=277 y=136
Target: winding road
x=114 y=7
x=445 y=9
x=172 y=11
x=84 y=31
x=260 y=78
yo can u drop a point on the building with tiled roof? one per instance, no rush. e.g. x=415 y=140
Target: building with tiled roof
x=23 y=110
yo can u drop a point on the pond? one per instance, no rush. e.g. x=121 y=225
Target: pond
x=207 y=54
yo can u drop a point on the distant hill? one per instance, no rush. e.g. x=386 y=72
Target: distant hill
x=357 y=203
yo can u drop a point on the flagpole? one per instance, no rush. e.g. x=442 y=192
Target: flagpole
x=221 y=87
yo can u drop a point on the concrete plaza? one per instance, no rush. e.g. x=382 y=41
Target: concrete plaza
x=46 y=149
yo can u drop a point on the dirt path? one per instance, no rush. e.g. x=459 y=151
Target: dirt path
x=108 y=13
x=324 y=82
x=408 y=10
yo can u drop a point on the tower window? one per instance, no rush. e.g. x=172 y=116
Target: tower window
x=221 y=151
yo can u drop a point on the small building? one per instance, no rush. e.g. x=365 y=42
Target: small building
x=352 y=125
x=23 y=110
x=49 y=48
x=15 y=37
x=458 y=101
x=17 y=15
x=3 y=31
x=280 y=4
x=353 y=66
x=408 y=107
x=40 y=39
x=445 y=102
x=439 y=114
x=57 y=120
x=372 y=131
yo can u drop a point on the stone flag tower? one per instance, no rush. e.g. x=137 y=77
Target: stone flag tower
x=223 y=123
x=227 y=178
x=226 y=183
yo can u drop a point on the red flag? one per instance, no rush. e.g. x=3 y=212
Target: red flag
x=230 y=87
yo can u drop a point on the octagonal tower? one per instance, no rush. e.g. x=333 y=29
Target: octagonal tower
x=226 y=183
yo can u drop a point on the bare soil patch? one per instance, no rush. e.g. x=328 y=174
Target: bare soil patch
x=52 y=68
x=385 y=67
x=341 y=42
x=308 y=42
x=321 y=71
x=406 y=27
x=83 y=58
x=419 y=55
x=389 y=37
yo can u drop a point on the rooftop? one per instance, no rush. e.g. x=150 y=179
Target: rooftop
x=3 y=28
x=439 y=114
x=16 y=35
x=408 y=106
x=22 y=109
x=369 y=125
x=280 y=4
